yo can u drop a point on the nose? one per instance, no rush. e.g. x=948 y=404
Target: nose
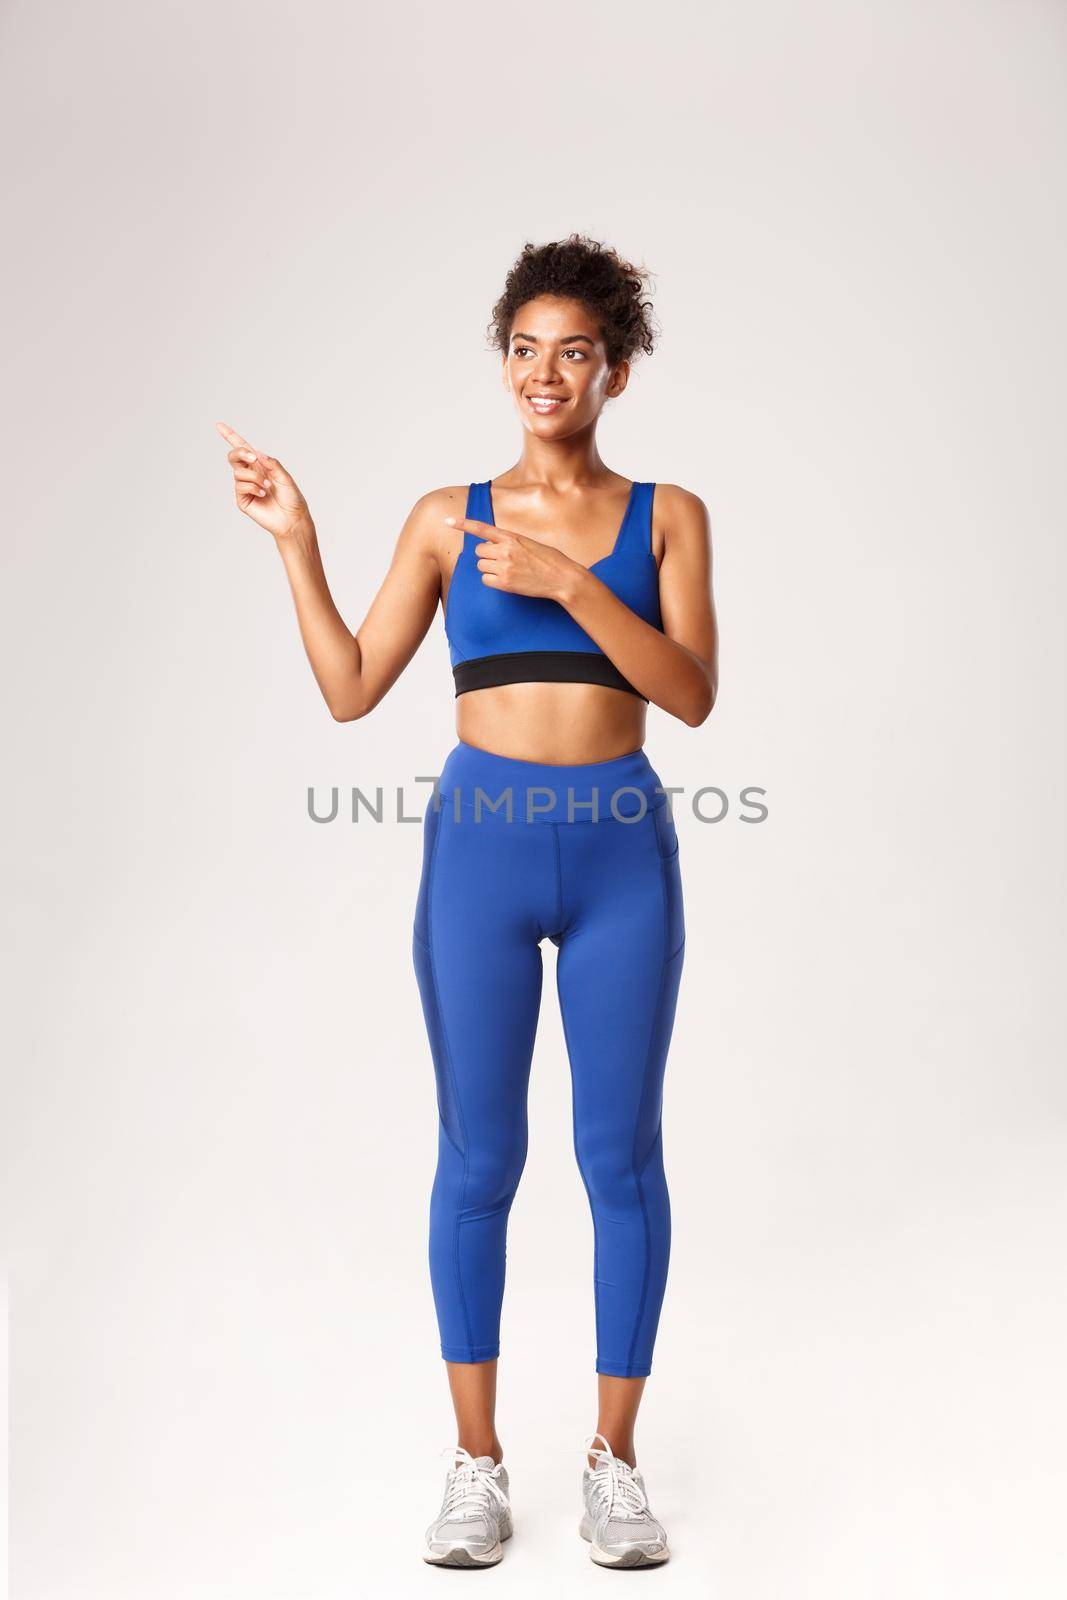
x=544 y=369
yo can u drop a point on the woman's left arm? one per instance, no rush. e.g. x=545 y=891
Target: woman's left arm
x=677 y=669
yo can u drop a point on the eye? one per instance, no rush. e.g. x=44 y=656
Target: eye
x=575 y=352
x=519 y=349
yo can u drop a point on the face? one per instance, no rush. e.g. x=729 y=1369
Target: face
x=557 y=367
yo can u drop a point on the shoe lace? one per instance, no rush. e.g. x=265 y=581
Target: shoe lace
x=469 y=1486
x=613 y=1479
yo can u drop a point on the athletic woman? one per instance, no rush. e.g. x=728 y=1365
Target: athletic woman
x=572 y=598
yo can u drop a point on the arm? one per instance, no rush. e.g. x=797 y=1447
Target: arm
x=677 y=669
x=353 y=671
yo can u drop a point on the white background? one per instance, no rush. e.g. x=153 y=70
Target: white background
x=219 y=1123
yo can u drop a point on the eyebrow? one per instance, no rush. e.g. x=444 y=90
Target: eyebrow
x=571 y=338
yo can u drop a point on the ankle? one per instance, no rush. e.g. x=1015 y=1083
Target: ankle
x=479 y=1446
x=622 y=1448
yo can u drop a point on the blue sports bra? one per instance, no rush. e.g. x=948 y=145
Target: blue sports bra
x=495 y=637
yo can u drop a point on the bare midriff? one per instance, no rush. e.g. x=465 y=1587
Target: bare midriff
x=560 y=724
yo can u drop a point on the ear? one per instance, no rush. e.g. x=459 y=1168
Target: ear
x=504 y=375
x=618 y=380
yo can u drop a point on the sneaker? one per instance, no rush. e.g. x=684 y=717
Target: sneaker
x=475 y=1515
x=620 y=1528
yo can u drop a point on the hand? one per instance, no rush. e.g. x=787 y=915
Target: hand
x=518 y=564
x=265 y=491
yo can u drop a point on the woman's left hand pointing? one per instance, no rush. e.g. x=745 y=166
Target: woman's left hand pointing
x=518 y=564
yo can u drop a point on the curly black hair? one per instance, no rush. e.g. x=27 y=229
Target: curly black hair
x=579 y=268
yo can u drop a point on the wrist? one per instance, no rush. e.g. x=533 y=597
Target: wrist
x=300 y=536
x=575 y=582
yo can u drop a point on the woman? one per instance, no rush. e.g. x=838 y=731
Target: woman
x=572 y=599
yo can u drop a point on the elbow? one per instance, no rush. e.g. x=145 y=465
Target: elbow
x=350 y=699
x=701 y=708
x=347 y=710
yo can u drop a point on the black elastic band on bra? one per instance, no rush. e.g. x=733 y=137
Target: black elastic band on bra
x=540 y=666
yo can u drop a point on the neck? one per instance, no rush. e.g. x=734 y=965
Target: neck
x=559 y=465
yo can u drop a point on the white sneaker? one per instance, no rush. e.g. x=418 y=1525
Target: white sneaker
x=475 y=1515
x=620 y=1528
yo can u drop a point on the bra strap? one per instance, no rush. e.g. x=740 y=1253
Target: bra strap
x=635 y=535
x=479 y=505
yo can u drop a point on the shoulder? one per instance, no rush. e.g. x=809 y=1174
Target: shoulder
x=424 y=529
x=681 y=519
x=677 y=504
x=436 y=504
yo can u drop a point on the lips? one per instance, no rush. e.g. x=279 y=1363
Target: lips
x=544 y=404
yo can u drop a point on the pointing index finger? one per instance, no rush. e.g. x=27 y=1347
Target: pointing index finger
x=470 y=525
x=233 y=438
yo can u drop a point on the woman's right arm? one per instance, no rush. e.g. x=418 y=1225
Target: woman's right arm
x=353 y=671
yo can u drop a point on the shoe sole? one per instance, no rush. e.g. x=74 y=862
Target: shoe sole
x=460 y=1556
x=626 y=1558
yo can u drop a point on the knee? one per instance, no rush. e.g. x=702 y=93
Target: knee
x=492 y=1176
x=609 y=1175
x=614 y=1169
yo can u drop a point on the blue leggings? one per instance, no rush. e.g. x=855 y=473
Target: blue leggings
x=603 y=884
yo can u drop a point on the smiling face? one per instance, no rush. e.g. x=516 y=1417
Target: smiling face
x=557 y=367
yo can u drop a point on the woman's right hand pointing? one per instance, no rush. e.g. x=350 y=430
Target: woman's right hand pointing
x=264 y=490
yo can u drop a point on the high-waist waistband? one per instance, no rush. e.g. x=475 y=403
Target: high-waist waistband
x=625 y=787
